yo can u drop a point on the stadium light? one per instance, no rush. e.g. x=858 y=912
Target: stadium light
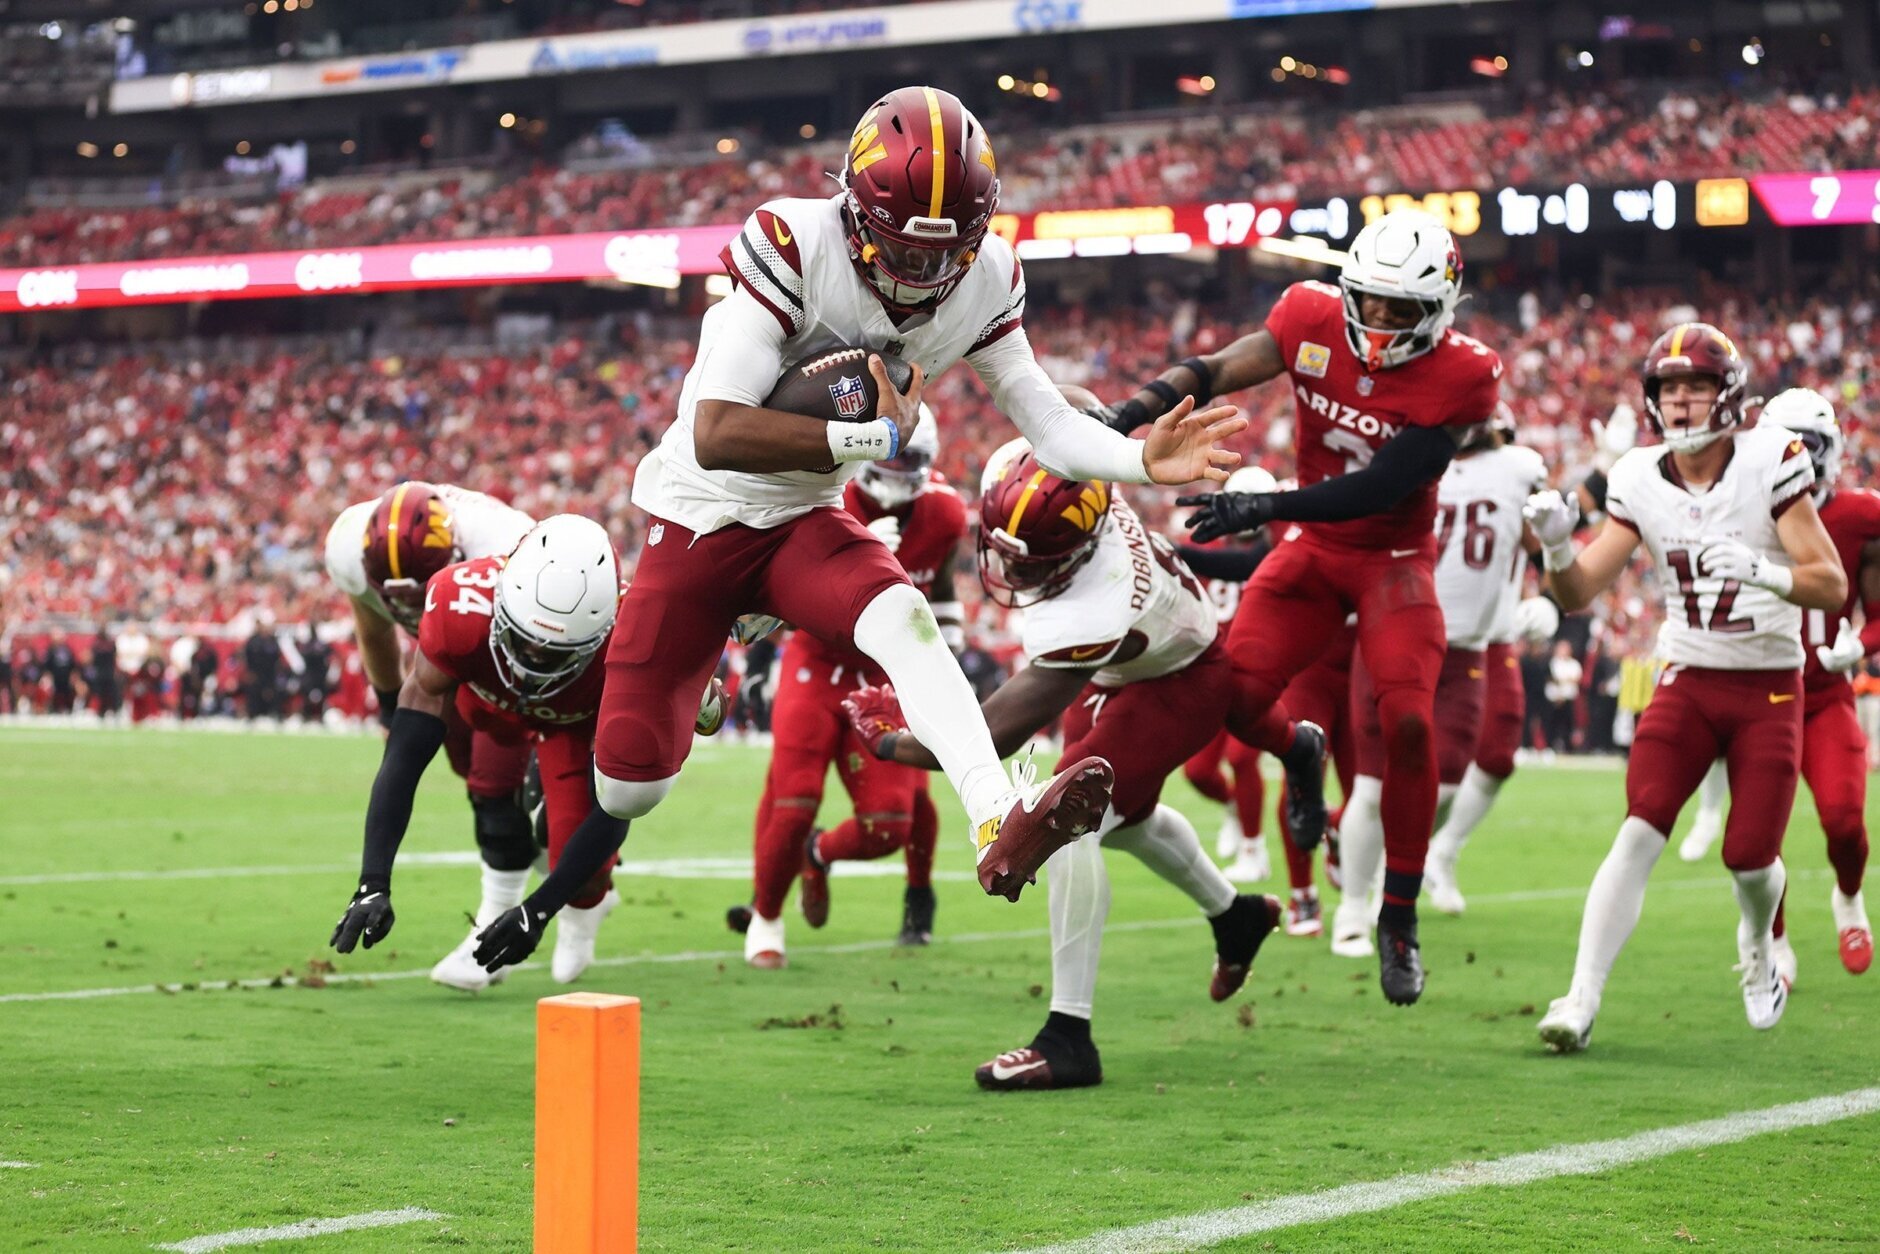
x=1585 y=59
x=241 y=148
x=348 y=147
x=507 y=121
x=1007 y=82
x=727 y=145
x=1753 y=52
x=87 y=149
x=121 y=150
x=807 y=130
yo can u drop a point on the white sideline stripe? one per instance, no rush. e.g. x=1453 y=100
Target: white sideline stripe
x=22 y=1166
x=297 y=1231
x=724 y=955
x=1588 y=1158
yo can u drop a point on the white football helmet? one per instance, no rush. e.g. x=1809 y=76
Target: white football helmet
x=1406 y=254
x=555 y=604
x=1251 y=479
x=894 y=482
x=1808 y=414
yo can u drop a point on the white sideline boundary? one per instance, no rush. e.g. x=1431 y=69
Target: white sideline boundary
x=727 y=955
x=298 y=1231
x=1190 y=1232
x=18 y=1166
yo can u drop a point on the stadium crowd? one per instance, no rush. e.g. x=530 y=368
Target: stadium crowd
x=188 y=489
x=1598 y=139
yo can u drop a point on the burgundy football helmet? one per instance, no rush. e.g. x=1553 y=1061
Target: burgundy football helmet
x=1035 y=529
x=920 y=186
x=409 y=538
x=1696 y=348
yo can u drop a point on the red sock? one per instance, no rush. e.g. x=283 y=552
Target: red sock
x=922 y=838
x=783 y=827
x=1409 y=800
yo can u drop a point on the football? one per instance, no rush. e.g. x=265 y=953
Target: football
x=836 y=386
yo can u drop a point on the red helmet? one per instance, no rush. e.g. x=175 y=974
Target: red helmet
x=409 y=538
x=1035 y=530
x=1696 y=348
x=920 y=186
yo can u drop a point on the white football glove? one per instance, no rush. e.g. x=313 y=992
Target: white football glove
x=1552 y=518
x=888 y=529
x=1614 y=438
x=1538 y=619
x=1732 y=559
x=1844 y=654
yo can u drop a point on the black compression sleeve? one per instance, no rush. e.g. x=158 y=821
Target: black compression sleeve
x=388 y=705
x=1596 y=488
x=414 y=740
x=1406 y=462
x=598 y=838
x=1235 y=565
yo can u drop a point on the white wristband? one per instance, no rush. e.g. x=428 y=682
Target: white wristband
x=1777 y=578
x=861 y=441
x=1557 y=557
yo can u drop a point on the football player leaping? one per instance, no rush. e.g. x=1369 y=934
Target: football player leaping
x=747 y=517
x=1740 y=551
x=1121 y=640
x=381 y=553
x=1834 y=752
x=1386 y=391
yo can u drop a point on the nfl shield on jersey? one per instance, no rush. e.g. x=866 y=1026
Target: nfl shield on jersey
x=1710 y=622
x=1478 y=542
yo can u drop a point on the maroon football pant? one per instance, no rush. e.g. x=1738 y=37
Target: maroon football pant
x=1293 y=609
x=817 y=572
x=1751 y=719
x=1502 y=715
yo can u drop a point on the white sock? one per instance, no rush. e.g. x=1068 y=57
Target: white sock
x=1445 y=798
x=1613 y=904
x=1361 y=839
x=1712 y=793
x=897 y=630
x=502 y=891
x=1167 y=844
x=1078 y=890
x=1758 y=893
x=1473 y=799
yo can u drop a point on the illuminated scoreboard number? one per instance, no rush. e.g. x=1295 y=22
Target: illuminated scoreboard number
x=1233 y=224
x=1460 y=211
x=1828 y=191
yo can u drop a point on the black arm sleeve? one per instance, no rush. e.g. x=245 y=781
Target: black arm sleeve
x=597 y=839
x=1406 y=462
x=414 y=740
x=1235 y=565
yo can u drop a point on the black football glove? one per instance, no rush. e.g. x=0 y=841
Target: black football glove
x=511 y=938
x=1227 y=513
x=368 y=916
x=1121 y=417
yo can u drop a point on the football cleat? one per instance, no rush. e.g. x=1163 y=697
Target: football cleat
x=1399 y=963
x=459 y=968
x=1765 y=996
x=916 y=917
x=1567 y=1027
x=1439 y=880
x=1036 y=820
x=763 y=943
x=1305 y=786
x=575 y=933
x=812 y=893
x=738 y=918
x=1783 y=955
x=1304 y=915
x=1850 y=921
x=1351 y=930
x=1251 y=865
x=1704 y=832
x=1239 y=931
x=1046 y=1063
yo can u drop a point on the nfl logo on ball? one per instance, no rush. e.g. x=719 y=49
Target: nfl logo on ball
x=850 y=396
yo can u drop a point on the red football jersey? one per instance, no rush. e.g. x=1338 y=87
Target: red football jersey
x=932 y=526
x=1346 y=414
x=459 y=610
x=1852 y=517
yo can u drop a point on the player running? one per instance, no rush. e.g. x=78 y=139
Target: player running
x=1834 y=752
x=381 y=553
x=922 y=520
x=1386 y=391
x=1122 y=642
x=1740 y=550
x=746 y=513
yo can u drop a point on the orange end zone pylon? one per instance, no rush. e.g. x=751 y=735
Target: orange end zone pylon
x=587 y=1124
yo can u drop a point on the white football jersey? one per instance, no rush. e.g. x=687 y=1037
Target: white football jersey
x=1478 y=537
x=482 y=526
x=1133 y=599
x=1709 y=622
x=792 y=259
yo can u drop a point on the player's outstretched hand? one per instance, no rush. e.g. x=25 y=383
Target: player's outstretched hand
x=875 y=714
x=1538 y=619
x=1844 y=654
x=1184 y=446
x=511 y=938
x=887 y=529
x=368 y=917
x=900 y=408
x=1226 y=513
x=1614 y=438
x=1551 y=516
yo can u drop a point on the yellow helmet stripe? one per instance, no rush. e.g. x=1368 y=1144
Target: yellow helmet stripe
x=1677 y=339
x=1024 y=499
x=938 y=153
x=398 y=501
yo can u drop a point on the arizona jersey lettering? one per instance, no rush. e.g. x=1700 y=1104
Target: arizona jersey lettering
x=1478 y=541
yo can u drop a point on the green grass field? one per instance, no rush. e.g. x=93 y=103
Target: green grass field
x=154 y=1116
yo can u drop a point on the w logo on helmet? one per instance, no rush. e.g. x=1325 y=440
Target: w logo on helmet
x=437 y=530
x=1089 y=507
x=863 y=150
